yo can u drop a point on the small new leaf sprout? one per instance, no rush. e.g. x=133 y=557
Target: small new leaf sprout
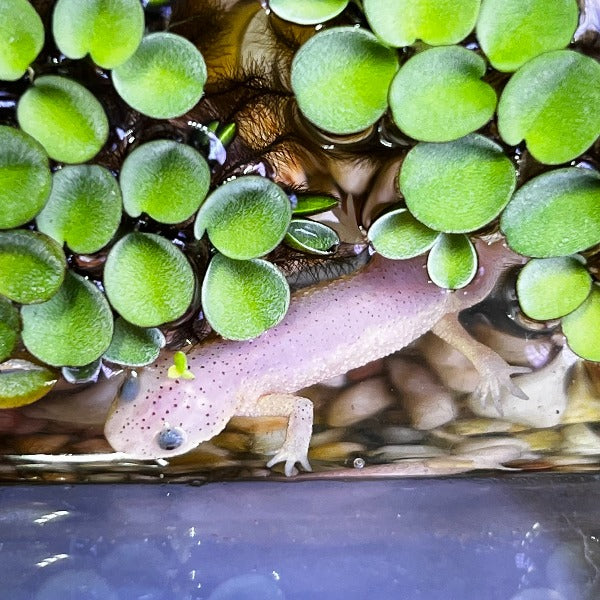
x=436 y=22
x=245 y=218
x=21 y=38
x=164 y=78
x=341 y=77
x=438 y=95
x=64 y=117
x=304 y=205
x=9 y=328
x=73 y=328
x=180 y=369
x=554 y=214
x=148 y=280
x=398 y=235
x=458 y=186
x=511 y=32
x=84 y=208
x=165 y=179
x=243 y=298
x=581 y=327
x=25 y=178
x=23 y=382
x=307 y=12
x=85 y=374
x=550 y=288
x=32 y=266
x=452 y=262
x=553 y=103
x=312 y=237
x=133 y=346
x=109 y=31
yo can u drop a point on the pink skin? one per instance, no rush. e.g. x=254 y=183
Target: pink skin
x=329 y=329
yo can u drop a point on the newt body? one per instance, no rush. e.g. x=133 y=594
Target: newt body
x=328 y=330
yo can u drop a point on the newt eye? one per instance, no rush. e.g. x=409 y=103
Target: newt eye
x=170 y=438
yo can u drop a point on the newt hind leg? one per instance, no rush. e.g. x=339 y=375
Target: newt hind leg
x=299 y=412
x=495 y=372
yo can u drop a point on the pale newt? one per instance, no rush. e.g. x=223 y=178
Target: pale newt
x=329 y=329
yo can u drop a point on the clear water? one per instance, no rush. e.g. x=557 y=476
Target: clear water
x=376 y=415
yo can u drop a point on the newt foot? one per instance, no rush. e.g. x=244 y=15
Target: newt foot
x=291 y=456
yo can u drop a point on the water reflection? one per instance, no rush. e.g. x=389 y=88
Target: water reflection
x=521 y=538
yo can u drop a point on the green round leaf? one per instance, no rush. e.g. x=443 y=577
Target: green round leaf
x=165 y=179
x=22 y=382
x=9 y=328
x=438 y=95
x=307 y=12
x=340 y=78
x=511 y=32
x=243 y=298
x=312 y=237
x=133 y=346
x=553 y=103
x=554 y=214
x=24 y=177
x=452 y=262
x=109 y=31
x=73 y=328
x=457 y=186
x=64 y=117
x=581 y=327
x=84 y=208
x=436 y=22
x=32 y=266
x=549 y=288
x=164 y=78
x=21 y=38
x=148 y=280
x=245 y=218
x=86 y=374
x=398 y=235
x=309 y=204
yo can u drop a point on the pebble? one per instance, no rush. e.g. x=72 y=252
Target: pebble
x=399 y=452
x=547 y=397
x=580 y=439
x=97 y=445
x=427 y=403
x=523 y=351
x=583 y=398
x=453 y=368
x=479 y=426
x=335 y=451
x=542 y=440
x=39 y=443
x=400 y=435
x=359 y=402
x=491 y=453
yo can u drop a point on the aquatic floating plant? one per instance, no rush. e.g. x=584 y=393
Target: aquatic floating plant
x=21 y=38
x=164 y=78
x=164 y=169
x=84 y=208
x=26 y=179
x=64 y=117
x=109 y=32
x=452 y=183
